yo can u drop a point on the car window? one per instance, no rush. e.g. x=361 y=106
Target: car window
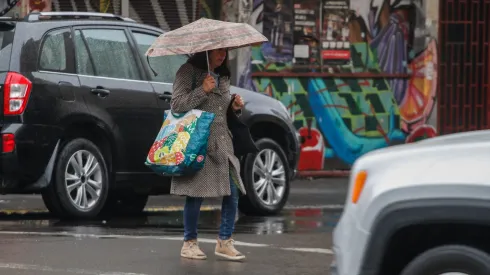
x=6 y=39
x=53 y=51
x=165 y=66
x=84 y=64
x=109 y=52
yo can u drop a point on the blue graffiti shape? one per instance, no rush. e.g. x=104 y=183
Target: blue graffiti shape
x=346 y=145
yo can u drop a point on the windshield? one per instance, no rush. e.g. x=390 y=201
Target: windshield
x=6 y=40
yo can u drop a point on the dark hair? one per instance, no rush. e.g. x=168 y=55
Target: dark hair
x=199 y=61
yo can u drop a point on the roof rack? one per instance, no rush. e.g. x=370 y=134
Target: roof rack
x=37 y=16
x=9 y=18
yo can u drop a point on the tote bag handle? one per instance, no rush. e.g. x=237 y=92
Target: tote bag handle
x=194 y=84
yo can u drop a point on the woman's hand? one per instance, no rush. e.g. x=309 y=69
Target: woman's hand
x=237 y=103
x=209 y=84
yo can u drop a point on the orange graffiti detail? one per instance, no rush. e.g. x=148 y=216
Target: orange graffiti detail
x=37 y=5
x=422 y=87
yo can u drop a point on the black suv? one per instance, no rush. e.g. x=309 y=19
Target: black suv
x=81 y=108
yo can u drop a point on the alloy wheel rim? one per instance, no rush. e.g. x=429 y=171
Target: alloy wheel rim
x=83 y=180
x=269 y=177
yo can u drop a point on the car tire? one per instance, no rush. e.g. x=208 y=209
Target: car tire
x=450 y=258
x=52 y=203
x=88 y=184
x=125 y=203
x=259 y=201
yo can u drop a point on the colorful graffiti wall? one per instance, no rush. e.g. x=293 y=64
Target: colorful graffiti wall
x=35 y=6
x=380 y=92
x=210 y=8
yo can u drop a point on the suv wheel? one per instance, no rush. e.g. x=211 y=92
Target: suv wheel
x=451 y=259
x=80 y=181
x=266 y=180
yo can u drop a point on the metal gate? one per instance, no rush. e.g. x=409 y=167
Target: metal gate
x=164 y=14
x=464 y=72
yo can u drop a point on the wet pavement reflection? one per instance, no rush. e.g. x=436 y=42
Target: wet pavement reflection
x=169 y=223
x=297 y=241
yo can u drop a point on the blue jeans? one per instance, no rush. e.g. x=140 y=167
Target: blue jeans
x=229 y=209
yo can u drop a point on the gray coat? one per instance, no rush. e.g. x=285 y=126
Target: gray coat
x=213 y=180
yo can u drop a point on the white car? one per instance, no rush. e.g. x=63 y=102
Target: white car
x=418 y=209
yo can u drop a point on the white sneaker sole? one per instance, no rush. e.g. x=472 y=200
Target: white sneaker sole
x=236 y=258
x=194 y=257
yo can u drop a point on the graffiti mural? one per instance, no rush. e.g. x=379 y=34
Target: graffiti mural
x=10 y=8
x=209 y=9
x=344 y=116
x=36 y=6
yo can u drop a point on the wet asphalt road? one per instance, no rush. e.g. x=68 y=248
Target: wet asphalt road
x=297 y=241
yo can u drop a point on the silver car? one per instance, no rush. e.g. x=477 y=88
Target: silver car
x=418 y=209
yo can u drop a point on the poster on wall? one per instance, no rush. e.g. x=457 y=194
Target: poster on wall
x=335 y=32
x=305 y=33
x=277 y=27
x=7 y=5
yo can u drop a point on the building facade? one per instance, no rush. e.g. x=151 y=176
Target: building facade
x=166 y=14
x=356 y=75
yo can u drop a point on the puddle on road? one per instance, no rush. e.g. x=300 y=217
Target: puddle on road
x=290 y=221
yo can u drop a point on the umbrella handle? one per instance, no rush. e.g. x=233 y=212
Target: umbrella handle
x=207 y=59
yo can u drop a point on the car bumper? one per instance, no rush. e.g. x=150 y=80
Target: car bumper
x=294 y=144
x=34 y=147
x=333 y=267
x=349 y=247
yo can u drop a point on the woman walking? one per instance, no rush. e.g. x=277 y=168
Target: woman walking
x=195 y=88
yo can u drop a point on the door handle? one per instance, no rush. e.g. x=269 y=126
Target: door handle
x=166 y=96
x=100 y=91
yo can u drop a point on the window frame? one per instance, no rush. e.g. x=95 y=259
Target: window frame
x=91 y=59
x=143 y=59
x=69 y=51
x=145 y=67
x=127 y=33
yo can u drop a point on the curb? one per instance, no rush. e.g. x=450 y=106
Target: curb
x=324 y=174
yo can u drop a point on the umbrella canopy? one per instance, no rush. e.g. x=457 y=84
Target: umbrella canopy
x=205 y=35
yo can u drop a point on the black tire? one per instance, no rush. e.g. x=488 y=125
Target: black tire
x=56 y=197
x=125 y=203
x=51 y=203
x=251 y=204
x=450 y=258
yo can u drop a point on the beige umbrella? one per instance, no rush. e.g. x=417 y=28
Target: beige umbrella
x=205 y=35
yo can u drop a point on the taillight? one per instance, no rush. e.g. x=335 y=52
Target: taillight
x=8 y=143
x=16 y=93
